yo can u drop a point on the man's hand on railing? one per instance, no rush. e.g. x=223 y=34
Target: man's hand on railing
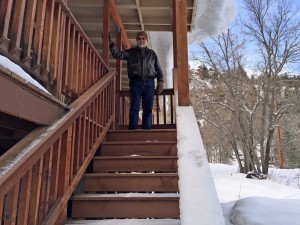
x=159 y=87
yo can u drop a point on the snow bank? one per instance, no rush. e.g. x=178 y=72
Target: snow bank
x=265 y=211
x=17 y=70
x=212 y=18
x=199 y=204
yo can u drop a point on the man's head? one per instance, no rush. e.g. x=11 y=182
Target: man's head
x=142 y=39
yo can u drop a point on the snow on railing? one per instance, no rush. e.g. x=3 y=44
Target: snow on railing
x=199 y=203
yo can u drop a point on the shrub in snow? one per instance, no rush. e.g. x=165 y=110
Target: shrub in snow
x=255 y=175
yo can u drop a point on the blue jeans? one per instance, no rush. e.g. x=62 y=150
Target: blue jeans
x=141 y=89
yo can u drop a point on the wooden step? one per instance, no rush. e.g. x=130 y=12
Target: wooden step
x=131 y=182
x=142 y=135
x=159 y=148
x=136 y=206
x=125 y=222
x=135 y=164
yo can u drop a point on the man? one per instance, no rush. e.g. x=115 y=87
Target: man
x=142 y=67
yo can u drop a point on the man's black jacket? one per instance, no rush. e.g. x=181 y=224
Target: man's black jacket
x=141 y=63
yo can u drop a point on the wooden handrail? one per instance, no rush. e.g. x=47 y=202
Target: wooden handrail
x=41 y=181
x=44 y=38
x=163 y=114
x=117 y=18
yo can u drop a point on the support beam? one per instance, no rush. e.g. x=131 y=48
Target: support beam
x=180 y=46
x=106 y=30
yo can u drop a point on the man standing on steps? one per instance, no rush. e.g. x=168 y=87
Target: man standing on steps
x=142 y=67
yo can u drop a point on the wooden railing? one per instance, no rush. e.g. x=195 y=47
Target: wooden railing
x=35 y=187
x=43 y=37
x=163 y=109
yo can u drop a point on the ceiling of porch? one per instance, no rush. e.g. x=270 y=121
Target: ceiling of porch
x=136 y=15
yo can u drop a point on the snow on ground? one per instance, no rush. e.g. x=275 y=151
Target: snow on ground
x=199 y=204
x=256 y=202
x=17 y=70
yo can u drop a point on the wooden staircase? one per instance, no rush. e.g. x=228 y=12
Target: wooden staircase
x=133 y=176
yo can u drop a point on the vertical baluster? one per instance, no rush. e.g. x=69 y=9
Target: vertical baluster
x=172 y=109
x=94 y=68
x=71 y=78
x=102 y=109
x=64 y=169
x=83 y=140
x=49 y=179
x=44 y=179
x=76 y=62
x=88 y=133
x=77 y=145
x=97 y=117
x=16 y=29
x=28 y=31
x=38 y=35
x=66 y=64
x=157 y=109
x=92 y=123
x=55 y=41
x=81 y=71
x=165 y=109
x=46 y=40
x=88 y=67
x=11 y=205
x=55 y=172
x=35 y=191
x=72 y=150
x=65 y=157
x=5 y=13
x=1 y=206
x=87 y=122
x=60 y=55
x=25 y=191
x=97 y=69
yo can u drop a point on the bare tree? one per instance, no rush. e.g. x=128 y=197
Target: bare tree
x=230 y=106
x=273 y=26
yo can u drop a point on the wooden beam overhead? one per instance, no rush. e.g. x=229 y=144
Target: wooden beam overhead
x=137 y=2
x=84 y=3
x=166 y=4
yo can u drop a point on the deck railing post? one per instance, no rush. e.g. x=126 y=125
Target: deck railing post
x=181 y=50
x=118 y=82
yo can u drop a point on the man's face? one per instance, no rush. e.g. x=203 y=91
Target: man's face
x=141 y=41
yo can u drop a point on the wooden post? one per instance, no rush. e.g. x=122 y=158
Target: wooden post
x=106 y=30
x=118 y=82
x=180 y=46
